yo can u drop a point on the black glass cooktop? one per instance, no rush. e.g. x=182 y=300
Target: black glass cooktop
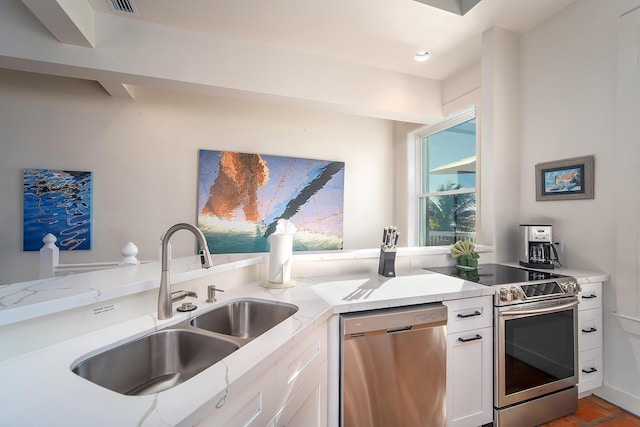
x=496 y=274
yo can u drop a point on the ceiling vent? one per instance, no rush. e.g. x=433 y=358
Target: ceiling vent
x=123 y=6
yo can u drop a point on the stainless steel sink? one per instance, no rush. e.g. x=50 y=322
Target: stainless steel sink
x=166 y=358
x=248 y=318
x=155 y=362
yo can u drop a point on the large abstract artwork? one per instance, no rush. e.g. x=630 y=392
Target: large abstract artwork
x=57 y=202
x=242 y=196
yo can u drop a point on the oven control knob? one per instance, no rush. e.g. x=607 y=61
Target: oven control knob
x=570 y=287
x=516 y=294
x=505 y=296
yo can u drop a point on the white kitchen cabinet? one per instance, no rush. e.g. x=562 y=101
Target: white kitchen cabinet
x=306 y=407
x=470 y=362
x=290 y=390
x=247 y=402
x=469 y=313
x=590 y=329
x=301 y=379
x=590 y=340
x=590 y=362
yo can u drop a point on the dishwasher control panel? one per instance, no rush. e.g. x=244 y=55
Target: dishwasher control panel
x=396 y=319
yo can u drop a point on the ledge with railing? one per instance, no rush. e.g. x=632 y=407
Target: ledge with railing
x=50 y=260
x=62 y=287
x=445 y=238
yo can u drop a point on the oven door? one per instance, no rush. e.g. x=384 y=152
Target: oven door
x=536 y=349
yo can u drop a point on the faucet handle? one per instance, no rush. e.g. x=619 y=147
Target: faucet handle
x=178 y=295
x=211 y=293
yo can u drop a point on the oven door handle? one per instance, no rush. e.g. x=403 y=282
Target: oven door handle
x=539 y=310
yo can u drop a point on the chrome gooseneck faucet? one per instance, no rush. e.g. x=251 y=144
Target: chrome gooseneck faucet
x=164 y=296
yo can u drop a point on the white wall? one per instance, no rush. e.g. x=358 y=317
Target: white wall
x=143 y=155
x=500 y=146
x=568 y=109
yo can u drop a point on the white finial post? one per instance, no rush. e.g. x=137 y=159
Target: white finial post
x=129 y=252
x=49 y=256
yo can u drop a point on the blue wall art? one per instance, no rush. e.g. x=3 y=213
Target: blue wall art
x=57 y=202
x=241 y=197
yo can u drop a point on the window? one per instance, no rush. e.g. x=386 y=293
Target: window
x=446 y=191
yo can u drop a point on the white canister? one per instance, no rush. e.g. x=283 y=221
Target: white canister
x=280 y=253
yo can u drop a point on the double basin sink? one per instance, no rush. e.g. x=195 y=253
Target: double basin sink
x=165 y=358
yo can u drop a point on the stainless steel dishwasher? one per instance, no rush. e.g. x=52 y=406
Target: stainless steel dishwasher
x=393 y=367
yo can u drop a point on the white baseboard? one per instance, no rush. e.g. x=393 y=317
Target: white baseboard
x=621 y=398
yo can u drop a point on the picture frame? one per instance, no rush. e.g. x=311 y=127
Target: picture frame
x=57 y=202
x=241 y=197
x=568 y=179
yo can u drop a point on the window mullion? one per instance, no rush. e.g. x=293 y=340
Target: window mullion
x=447 y=193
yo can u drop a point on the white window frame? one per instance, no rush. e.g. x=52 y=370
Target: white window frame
x=415 y=170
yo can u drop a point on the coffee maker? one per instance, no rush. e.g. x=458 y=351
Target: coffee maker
x=535 y=246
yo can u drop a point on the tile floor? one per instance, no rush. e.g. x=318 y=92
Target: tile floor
x=593 y=411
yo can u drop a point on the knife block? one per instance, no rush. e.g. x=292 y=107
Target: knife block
x=387 y=264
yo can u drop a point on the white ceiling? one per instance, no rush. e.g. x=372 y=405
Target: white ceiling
x=378 y=33
x=348 y=56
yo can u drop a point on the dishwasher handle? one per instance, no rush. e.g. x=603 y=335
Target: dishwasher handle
x=400 y=329
x=394 y=330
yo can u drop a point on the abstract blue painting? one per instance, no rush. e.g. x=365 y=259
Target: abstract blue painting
x=57 y=202
x=241 y=196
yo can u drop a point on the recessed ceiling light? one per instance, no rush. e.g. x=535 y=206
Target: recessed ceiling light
x=421 y=56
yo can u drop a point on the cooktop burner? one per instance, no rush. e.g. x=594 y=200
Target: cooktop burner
x=496 y=274
x=516 y=285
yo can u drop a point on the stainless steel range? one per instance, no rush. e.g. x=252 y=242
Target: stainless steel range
x=535 y=342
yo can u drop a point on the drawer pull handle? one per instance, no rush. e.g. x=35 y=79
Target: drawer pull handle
x=477 y=337
x=590 y=330
x=590 y=370
x=464 y=316
x=589 y=296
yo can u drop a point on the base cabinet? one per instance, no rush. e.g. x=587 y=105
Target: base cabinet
x=247 y=402
x=469 y=383
x=290 y=391
x=590 y=364
x=306 y=407
x=470 y=362
x=590 y=339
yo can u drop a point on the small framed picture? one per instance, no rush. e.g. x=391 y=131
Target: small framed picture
x=568 y=179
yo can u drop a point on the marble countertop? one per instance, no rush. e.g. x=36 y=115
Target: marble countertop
x=43 y=390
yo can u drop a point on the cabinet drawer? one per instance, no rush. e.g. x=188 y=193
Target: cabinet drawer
x=590 y=364
x=300 y=362
x=469 y=313
x=590 y=296
x=247 y=402
x=307 y=406
x=589 y=329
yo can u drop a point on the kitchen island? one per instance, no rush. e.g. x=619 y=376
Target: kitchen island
x=41 y=389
